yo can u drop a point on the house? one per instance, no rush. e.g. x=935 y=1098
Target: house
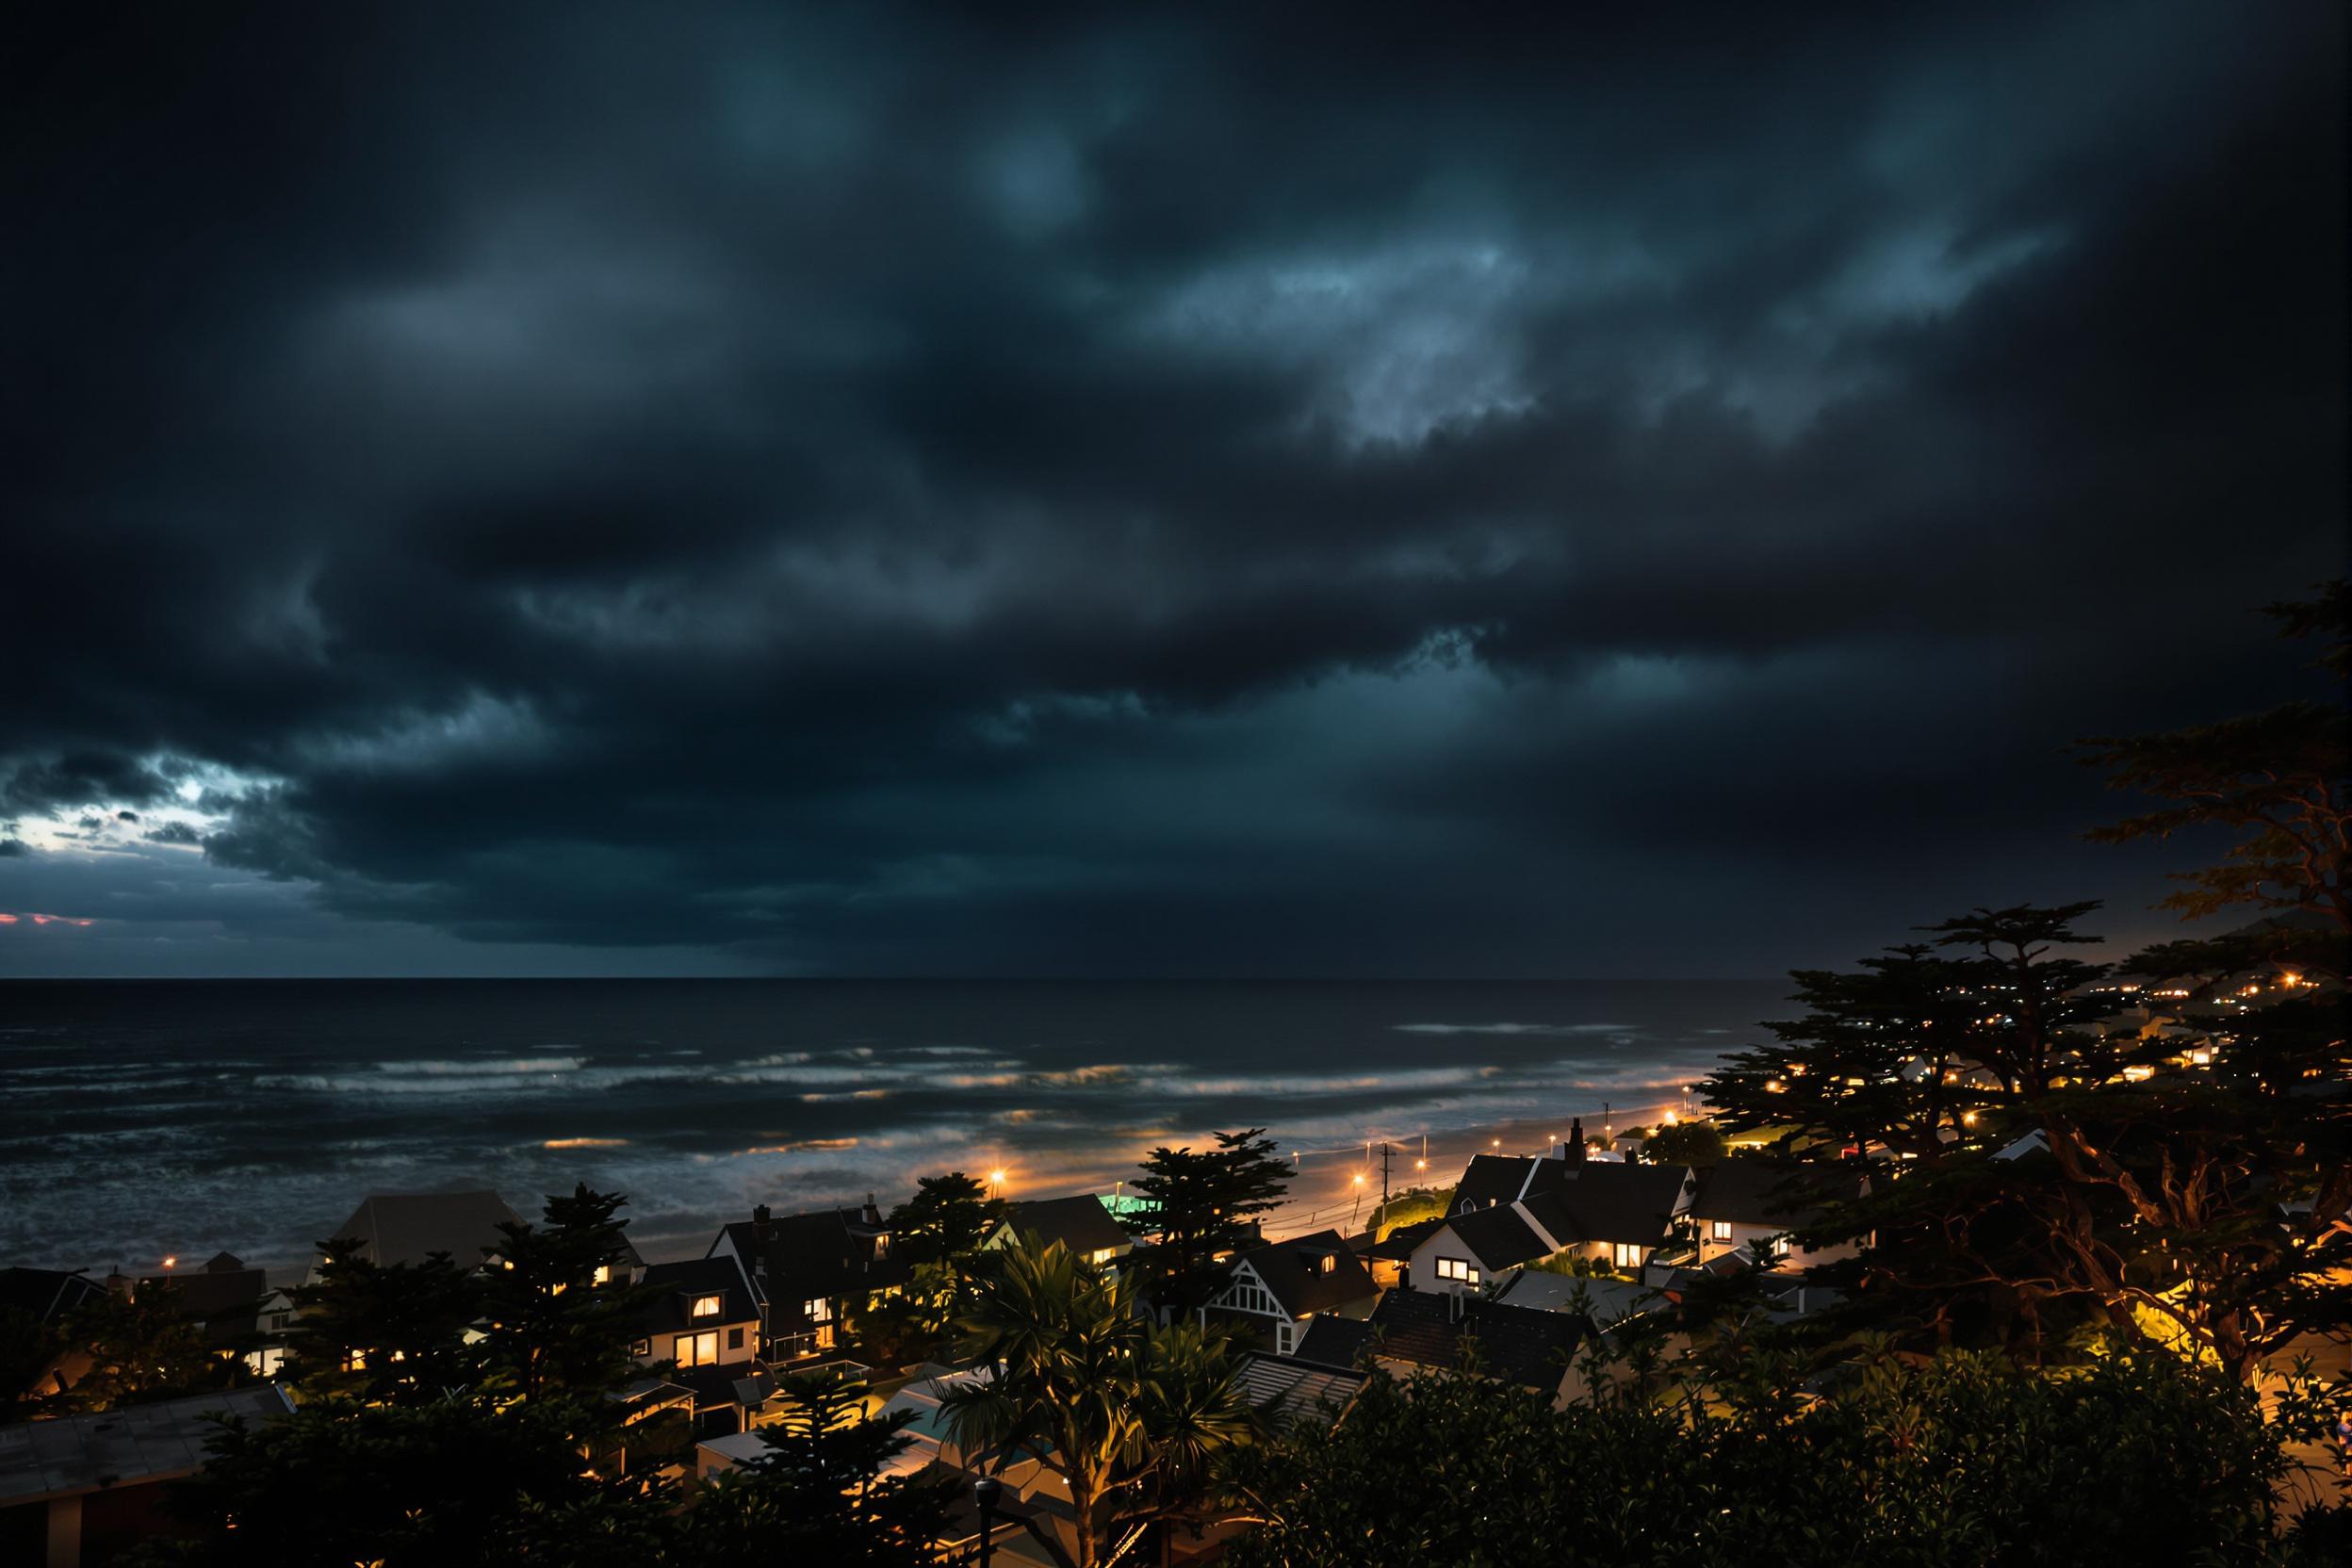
x=241 y=1313
x=1083 y=1224
x=87 y=1487
x=1388 y=1256
x=1292 y=1392
x=1277 y=1287
x=408 y=1228
x=1415 y=1330
x=1564 y=1207
x=810 y=1271
x=702 y=1317
x=1747 y=1203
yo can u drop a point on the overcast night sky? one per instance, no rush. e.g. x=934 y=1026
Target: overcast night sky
x=897 y=491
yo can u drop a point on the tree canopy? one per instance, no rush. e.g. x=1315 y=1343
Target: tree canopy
x=1198 y=1204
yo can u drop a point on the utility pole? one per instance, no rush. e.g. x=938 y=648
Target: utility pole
x=1385 y=1152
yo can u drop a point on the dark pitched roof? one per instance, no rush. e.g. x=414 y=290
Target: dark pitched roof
x=47 y=1293
x=1311 y=1273
x=665 y=1300
x=1623 y=1203
x=713 y=1387
x=396 y=1228
x=1080 y=1223
x=1516 y=1345
x=1497 y=1180
x=825 y=1253
x=225 y=1302
x=1498 y=1237
x=1334 y=1341
x=1743 y=1191
x=1296 y=1391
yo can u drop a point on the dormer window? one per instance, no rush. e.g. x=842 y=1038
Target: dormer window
x=705 y=1306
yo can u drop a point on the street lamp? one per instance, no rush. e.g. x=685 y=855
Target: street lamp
x=985 y=1493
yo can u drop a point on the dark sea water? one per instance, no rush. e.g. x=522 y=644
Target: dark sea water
x=149 y=1118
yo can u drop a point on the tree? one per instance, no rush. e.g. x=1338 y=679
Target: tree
x=1961 y=1460
x=1126 y=1414
x=948 y=1217
x=1410 y=1206
x=2280 y=780
x=2040 y=1165
x=1198 y=1206
x=135 y=1348
x=1691 y=1143
x=817 y=1493
x=382 y=1335
x=938 y=1230
x=556 y=1301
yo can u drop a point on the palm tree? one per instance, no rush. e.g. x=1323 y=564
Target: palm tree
x=1126 y=1414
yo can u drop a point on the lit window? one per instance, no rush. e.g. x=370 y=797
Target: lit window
x=700 y=1349
x=1628 y=1254
x=603 y=1275
x=1101 y=1255
x=642 y=1347
x=1457 y=1269
x=1722 y=1229
x=815 y=1309
x=706 y=1306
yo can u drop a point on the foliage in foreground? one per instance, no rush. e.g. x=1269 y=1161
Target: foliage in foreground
x=458 y=1481
x=1965 y=1460
x=1129 y=1416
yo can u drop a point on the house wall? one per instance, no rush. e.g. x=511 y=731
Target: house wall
x=663 y=1345
x=1442 y=1243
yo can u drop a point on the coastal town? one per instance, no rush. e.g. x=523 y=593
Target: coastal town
x=1169 y=786
x=1560 y=1274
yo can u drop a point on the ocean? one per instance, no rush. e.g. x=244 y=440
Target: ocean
x=139 y=1120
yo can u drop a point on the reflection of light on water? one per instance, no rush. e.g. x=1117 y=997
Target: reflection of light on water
x=585 y=1143
x=800 y=1146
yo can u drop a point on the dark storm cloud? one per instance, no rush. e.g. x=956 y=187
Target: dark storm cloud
x=1130 y=490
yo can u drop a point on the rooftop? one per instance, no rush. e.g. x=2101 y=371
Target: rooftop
x=1294 y=1389
x=397 y=1228
x=1311 y=1273
x=122 y=1447
x=1080 y=1223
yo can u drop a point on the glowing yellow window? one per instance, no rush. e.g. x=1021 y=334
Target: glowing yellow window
x=706 y=1306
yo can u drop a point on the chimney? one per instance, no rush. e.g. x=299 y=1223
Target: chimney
x=874 y=1215
x=761 y=1230
x=1576 y=1140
